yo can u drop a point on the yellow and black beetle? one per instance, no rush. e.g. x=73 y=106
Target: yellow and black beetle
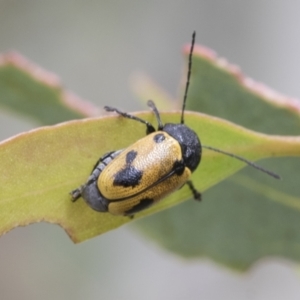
x=126 y=181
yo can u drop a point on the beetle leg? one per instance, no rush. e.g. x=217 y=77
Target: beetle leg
x=152 y=105
x=196 y=194
x=106 y=158
x=150 y=127
x=77 y=193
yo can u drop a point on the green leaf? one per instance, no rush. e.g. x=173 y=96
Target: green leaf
x=242 y=219
x=28 y=90
x=41 y=167
x=248 y=216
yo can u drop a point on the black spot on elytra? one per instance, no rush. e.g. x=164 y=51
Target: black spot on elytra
x=129 y=176
x=143 y=204
x=130 y=156
x=158 y=138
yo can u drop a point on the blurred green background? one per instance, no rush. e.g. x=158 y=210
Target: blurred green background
x=95 y=46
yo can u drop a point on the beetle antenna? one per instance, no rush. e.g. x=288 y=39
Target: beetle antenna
x=250 y=163
x=188 y=76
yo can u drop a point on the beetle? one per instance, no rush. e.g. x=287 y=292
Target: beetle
x=127 y=181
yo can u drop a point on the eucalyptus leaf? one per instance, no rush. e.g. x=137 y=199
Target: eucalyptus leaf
x=42 y=166
x=248 y=216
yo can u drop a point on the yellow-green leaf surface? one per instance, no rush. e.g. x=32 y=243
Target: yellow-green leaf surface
x=248 y=216
x=41 y=167
x=242 y=219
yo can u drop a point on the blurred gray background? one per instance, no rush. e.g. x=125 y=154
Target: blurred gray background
x=95 y=46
